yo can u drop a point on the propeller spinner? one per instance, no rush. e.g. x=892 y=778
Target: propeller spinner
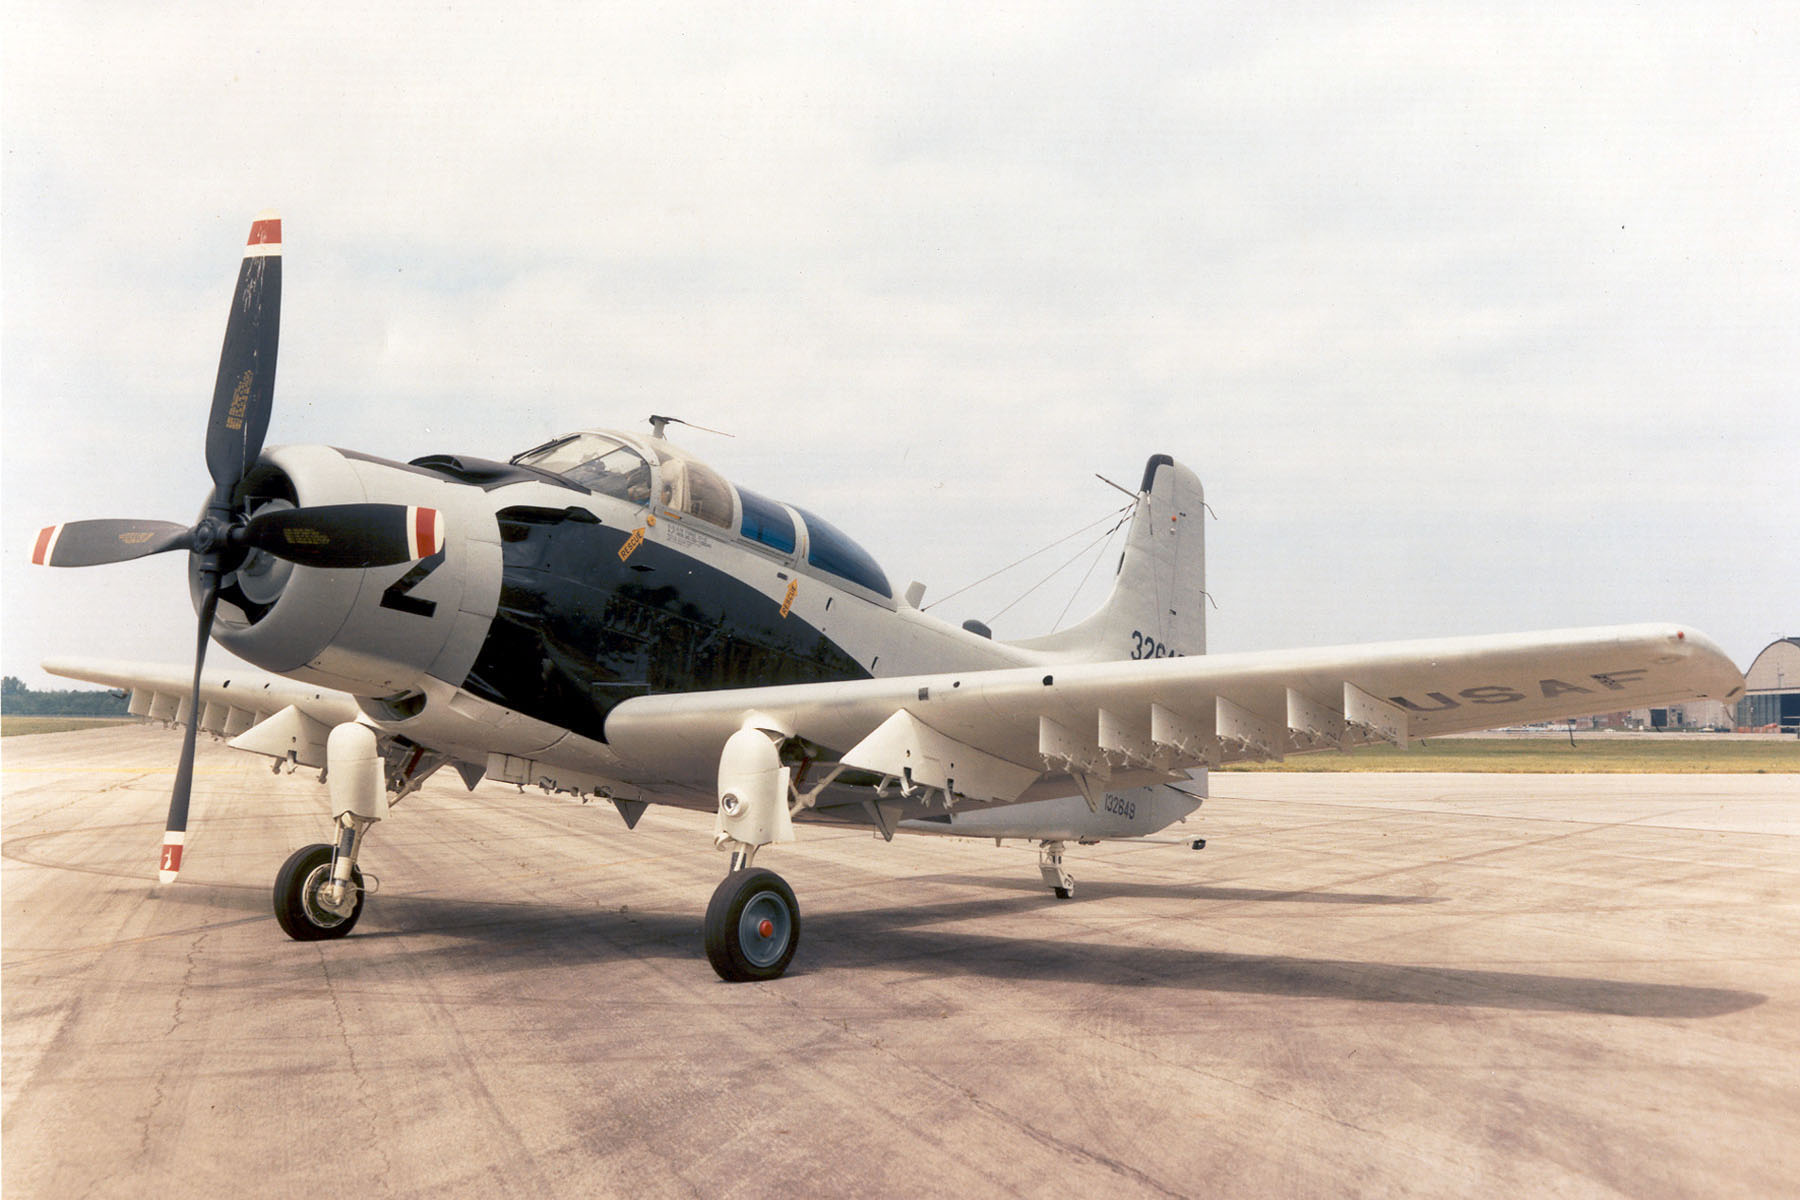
x=338 y=535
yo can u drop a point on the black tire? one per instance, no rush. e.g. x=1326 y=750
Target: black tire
x=752 y=926
x=1062 y=893
x=297 y=883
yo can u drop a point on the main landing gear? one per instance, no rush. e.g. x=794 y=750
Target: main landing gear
x=753 y=923
x=307 y=907
x=752 y=926
x=319 y=889
x=1050 y=864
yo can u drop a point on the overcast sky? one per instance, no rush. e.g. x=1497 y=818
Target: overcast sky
x=1472 y=318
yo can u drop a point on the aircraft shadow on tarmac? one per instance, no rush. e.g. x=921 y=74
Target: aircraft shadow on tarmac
x=494 y=937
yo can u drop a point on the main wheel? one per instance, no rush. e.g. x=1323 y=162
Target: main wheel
x=752 y=926
x=297 y=887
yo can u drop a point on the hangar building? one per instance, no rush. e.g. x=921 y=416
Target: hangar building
x=1772 y=688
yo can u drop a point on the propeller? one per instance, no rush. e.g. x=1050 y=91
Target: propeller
x=326 y=536
x=330 y=535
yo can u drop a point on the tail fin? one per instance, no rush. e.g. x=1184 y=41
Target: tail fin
x=1158 y=603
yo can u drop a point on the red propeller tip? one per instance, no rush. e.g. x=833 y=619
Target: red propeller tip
x=171 y=856
x=46 y=544
x=265 y=234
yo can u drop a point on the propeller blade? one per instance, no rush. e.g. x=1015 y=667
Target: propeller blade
x=176 y=834
x=91 y=543
x=348 y=535
x=245 y=389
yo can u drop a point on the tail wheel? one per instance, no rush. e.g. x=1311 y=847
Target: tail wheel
x=298 y=909
x=752 y=926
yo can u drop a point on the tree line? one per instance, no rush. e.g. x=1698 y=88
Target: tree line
x=22 y=701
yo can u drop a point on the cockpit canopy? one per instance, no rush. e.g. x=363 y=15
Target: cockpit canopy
x=595 y=461
x=646 y=471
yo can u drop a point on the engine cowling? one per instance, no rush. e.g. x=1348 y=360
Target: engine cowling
x=369 y=631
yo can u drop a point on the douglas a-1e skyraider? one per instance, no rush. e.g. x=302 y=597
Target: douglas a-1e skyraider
x=606 y=615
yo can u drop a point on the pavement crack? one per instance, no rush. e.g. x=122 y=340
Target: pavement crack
x=187 y=979
x=159 y=1087
x=361 y=1089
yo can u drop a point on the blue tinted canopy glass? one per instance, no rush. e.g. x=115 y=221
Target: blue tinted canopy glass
x=767 y=522
x=832 y=551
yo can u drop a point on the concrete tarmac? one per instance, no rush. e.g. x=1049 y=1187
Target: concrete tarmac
x=1367 y=984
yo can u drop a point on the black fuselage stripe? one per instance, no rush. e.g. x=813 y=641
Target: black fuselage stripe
x=579 y=630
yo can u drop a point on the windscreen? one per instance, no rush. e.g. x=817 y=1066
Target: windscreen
x=597 y=463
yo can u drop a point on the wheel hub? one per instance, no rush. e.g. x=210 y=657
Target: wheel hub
x=764 y=929
x=319 y=908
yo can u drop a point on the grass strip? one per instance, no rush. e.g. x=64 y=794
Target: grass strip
x=13 y=726
x=1678 y=754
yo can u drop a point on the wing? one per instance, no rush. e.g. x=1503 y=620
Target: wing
x=264 y=714
x=1003 y=735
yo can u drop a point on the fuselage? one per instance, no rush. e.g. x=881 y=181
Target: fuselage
x=591 y=571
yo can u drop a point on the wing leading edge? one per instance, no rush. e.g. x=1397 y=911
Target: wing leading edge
x=999 y=736
x=264 y=714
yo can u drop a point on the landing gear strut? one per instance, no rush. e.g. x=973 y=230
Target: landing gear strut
x=753 y=922
x=1050 y=863
x=319 y=890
